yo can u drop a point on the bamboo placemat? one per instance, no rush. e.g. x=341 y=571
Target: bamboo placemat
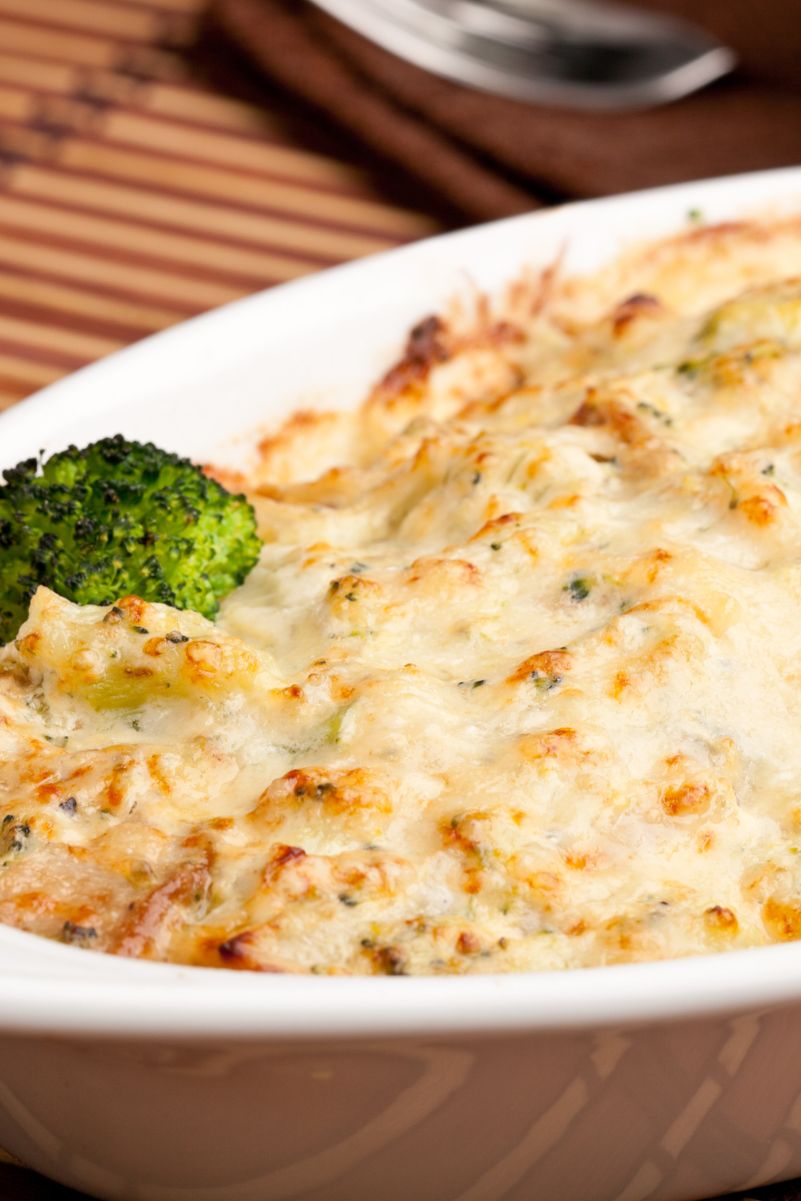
x=133 y=195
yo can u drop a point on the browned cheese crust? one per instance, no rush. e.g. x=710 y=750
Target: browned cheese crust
x=515 y=684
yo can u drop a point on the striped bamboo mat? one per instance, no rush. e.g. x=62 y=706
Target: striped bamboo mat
x=133 y=195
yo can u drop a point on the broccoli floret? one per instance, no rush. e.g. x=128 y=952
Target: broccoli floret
x=116 y=518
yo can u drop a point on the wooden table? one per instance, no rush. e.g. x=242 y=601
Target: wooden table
x=134 y=193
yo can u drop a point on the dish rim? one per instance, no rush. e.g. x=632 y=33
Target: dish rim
x=111 y=998
x=100 y=995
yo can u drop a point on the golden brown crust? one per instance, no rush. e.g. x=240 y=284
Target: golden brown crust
x=515 y=685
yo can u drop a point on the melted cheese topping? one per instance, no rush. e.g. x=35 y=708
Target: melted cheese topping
x=515 y=685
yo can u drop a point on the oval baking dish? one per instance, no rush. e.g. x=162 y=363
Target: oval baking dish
x=157 y=1082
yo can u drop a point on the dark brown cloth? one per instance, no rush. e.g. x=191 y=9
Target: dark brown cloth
x=484 y=156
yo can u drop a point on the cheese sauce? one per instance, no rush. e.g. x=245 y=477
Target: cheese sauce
x=515 y=685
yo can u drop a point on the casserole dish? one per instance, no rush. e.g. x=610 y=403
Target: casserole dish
x=666 y=1080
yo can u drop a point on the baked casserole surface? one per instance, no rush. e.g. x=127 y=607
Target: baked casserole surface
x=516 y=683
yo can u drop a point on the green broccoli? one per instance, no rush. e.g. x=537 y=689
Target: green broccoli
x=115 y=518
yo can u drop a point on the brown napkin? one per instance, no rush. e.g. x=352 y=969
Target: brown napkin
x=483 y=156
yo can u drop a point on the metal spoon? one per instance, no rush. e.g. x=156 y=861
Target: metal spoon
x=574 y=53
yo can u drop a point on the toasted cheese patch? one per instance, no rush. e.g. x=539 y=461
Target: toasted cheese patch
x=515 y=685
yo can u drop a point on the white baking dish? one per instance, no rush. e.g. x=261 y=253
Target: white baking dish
x=666 y=1081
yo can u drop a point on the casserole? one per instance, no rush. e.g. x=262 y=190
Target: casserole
x=245 y=1087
